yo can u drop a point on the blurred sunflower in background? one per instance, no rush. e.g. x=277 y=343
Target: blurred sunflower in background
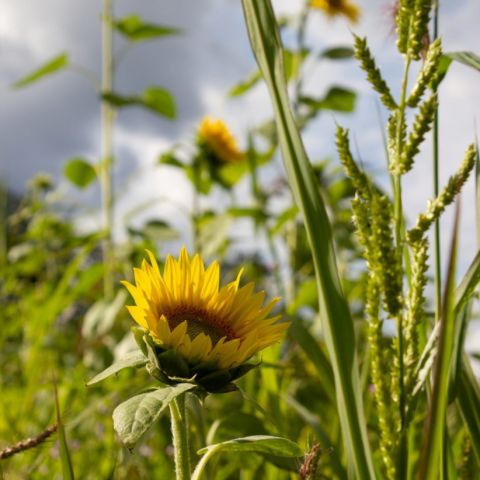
x=198 y=330
x=218 y=142
x=334 y=8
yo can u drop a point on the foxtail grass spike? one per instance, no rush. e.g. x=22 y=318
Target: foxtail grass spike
x=415 y=312
x=359 y=179
x=404 y=13
x=392 y=140
x=436 y=206
x=378 y=359
x=421 y=126
x=362 y=53
x=427 y=73
x=418 y=34
x=386 y=261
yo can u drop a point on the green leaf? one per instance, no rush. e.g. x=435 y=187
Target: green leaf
x=131 y=419
x=279 y=446
x=337 y=53
x=80 y=172
x=262 y=444
x=159 y=101
x=467 y=58
x=468 y=400
x=135 y=29
x=52 y=66
x=434 y=437
x=67 y=466
x=338 y=99
x=245 y=85
x=156 y=99
x=337 y=321
x=131 y=359
x=169 y=158
x=468 y=284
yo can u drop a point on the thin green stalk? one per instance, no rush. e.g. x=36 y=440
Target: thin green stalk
x=178 y=415
x=399 y=234
x=437 y=246
x=107 y=119
x=399 y=240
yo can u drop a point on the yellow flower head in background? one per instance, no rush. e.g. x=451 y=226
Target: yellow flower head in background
x=217 y=138
x=338 y=7
x=187 y=311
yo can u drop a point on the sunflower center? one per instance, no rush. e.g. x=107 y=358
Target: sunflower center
x=197 y=324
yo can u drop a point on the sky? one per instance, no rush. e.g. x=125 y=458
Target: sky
x=58 y=118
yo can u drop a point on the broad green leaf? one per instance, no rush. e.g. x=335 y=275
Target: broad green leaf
x=132 y=418
x=52 y=66
x=337 y=53
x=246 y=85
x=159 y=101
x=337 y=98
x=334 y=311
x=169 y=158
x=135 y=29
x=281 y=447
x=80 y=172
x=261 y=444
x=467 y=58
x=433 y=445
x=132 y=359
x=156 y=99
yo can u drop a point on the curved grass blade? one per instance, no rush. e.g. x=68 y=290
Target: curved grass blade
x=335 y=313
x=434 y=439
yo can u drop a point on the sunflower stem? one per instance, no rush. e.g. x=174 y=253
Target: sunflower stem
x=178 y=415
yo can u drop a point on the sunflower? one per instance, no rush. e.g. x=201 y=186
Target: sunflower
x=216 y=138
x=210 y=328
x=338 y=7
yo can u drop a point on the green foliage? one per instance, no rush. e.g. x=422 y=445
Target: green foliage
x=346 y=394
x=132 y=418
x=48 y=68
x=136 y=30
x=80 y=172
x=155 y=99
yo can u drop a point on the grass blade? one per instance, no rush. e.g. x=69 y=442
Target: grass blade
x=434 y=439
x=67 y=467
x=468 y=401
x=334 y=310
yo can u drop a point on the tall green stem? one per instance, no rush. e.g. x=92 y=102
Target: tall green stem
x=399 y=233
x=178 y=415
x=107 y=119
x=438 y=268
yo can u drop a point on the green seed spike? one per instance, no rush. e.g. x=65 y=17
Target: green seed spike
x=415 y=312
x=418 y=33
x=362 y=53
x=386 y=261
x=359 y=179
x=426 y=74
x=392 y=139
x=421 y=126
x=436 y=206
x=379 y=360
x=405 y=10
